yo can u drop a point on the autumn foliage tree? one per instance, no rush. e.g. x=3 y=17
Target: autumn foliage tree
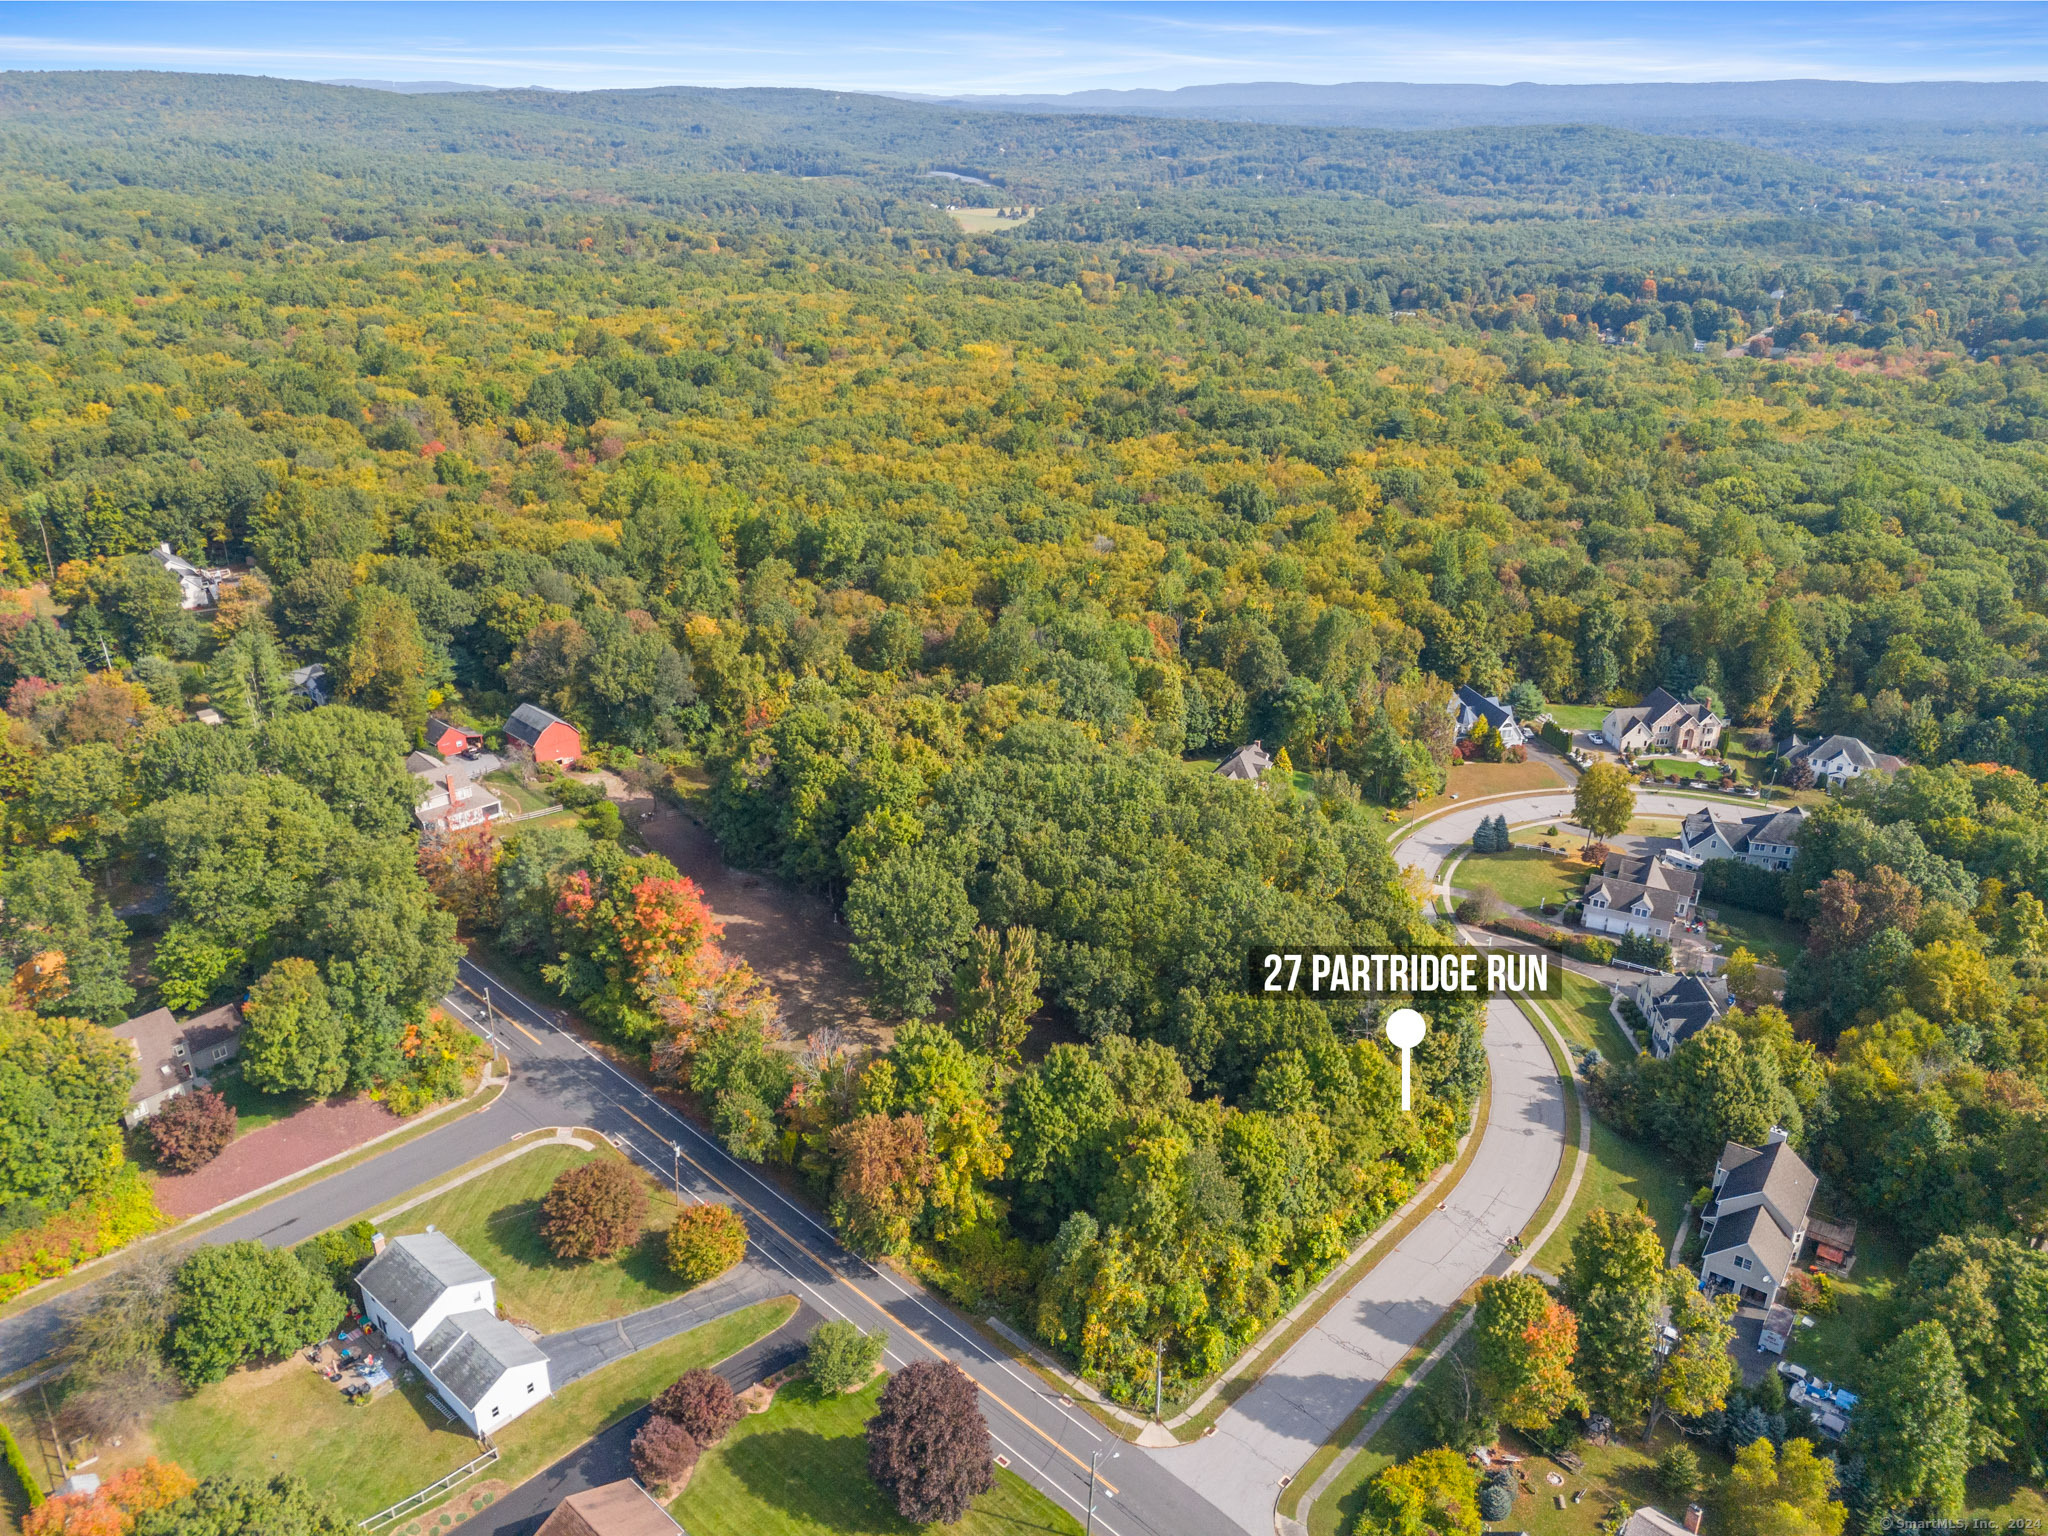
x=664 y=1452
x=928 y=1445
x=1527 y=1341
x=702 y=1402
x=885 y=1167
x=111 y=1509
x=461 y=868
x=594 y=1210
x=192 y=1130
x=705 y=1242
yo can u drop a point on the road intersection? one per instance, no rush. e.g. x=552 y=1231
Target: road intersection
x=1222 y=1485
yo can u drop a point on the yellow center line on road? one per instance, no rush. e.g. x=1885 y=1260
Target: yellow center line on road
x=494 y=1014
x=1100 y=1482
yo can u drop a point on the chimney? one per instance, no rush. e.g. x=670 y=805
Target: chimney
x=376 y=1243
x=1693 y=1516
x=1777 y=1135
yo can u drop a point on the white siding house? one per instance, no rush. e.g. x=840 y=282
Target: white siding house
x=439 y=1306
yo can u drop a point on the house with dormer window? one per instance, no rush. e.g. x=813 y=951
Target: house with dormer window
x=1756 y=1224
x=1639 y=895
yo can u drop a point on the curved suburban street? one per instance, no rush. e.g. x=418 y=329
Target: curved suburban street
x=1225 y=1483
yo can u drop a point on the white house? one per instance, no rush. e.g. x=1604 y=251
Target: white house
x=1835 y=760
x=452 y=802
x=1679 y=1007
x=196 y=588
x=1470 y=706
x=1757 y=1223
x=439 y=1305
x=1768 y=841
x=1639 y=895
x=1662 y=723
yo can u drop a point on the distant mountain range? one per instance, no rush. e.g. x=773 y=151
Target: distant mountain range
x=411 y=87
x=1395 y=105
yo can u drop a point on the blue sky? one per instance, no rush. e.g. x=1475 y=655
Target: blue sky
x=958 y=48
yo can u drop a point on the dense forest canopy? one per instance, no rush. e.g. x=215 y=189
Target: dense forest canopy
x=937 y=560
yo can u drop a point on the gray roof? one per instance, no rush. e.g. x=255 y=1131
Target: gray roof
x=1652 y=872
x=528 y=721
x=1759 y=1230
x=412 y=1274
x=1777 y=1173
x=1493 y=711
x=1247 y=762
x=1652 y=1522
x=1832 y=747
x=1686 y=1004
x=471 y=1351
x=1622 y=895
x=423 y=765
x=1780 y=827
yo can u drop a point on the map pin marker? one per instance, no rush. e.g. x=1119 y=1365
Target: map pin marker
x=1405 y=1028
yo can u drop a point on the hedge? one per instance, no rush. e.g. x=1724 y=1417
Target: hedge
x=1594 y=951
x=1739 y=884
x=1556 y=737
x=10 y=1448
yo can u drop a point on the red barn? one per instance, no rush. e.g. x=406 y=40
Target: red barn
x=446 y=740
x=550 y=738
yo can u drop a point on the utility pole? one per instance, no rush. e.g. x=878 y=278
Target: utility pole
x=677 y=1148
x=1158 y=1380
x=490 y=1025
x=1094 y=1464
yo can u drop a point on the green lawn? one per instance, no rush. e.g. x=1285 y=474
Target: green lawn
x=1475 y=781
x=1583 y=1016
x=1522 y=877
x=1619 y=1173
x=495 y=1218
x=517 y=795
x=1772 y=940
x=1666 y=766
x=253 y=1108
x=1578 y=717
x=1835 y=1346
x=286 y=1418
x=800 y=1469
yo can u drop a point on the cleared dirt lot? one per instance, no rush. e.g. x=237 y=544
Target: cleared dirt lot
x=794 y=940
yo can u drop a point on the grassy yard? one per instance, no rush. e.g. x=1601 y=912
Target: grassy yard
x=253 y=1108
x=1578 y=717
x=800 y=1469
x=1474 y=781
x=1772 y=940
x=1835 y=1346
x=518 y=796
x=495 y=1218
x=1617 y=1475
x=1523 y=877
x=1665 y=767
x=369 y=1457
x=1584 y=1018
x=1619 y=1173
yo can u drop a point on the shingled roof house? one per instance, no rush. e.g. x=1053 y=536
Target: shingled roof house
x=1246 y=763
x=1835 y=760
x=1471 y=706
x=1679 y=1007
x=1768 y=841
x=173 y=1058
x=1662 y=723
x=623 y=1508
x=1757 y=1223
x=440 y=1306
x=1638 y=895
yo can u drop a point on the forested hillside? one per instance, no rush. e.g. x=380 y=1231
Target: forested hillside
x=936 y=566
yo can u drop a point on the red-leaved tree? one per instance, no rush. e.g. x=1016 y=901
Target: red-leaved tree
x=928 y=1445
x=593 y=1210
x=192 y=1130
x=664 y=1452
x=702 y=1402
